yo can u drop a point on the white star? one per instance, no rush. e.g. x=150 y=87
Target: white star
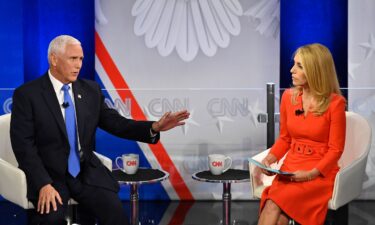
x=364 y=106
x=352 y=67
x=219 y=122
x=254 y=112
x=369 y=46
x=188 y=122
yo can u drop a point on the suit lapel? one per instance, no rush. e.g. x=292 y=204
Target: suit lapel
x=51 y=99
x=79 y=95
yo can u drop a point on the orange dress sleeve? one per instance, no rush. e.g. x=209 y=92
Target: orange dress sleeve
x=336 y=139
x=282 y=144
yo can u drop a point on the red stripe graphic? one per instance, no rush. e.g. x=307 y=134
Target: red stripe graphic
x=158 y=149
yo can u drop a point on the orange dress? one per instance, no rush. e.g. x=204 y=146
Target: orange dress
x=311 y=142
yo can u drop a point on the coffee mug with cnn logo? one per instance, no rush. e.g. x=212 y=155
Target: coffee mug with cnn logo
x=130 y=163
x=218 y=163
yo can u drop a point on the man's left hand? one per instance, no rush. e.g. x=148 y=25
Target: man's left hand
x=170 y=120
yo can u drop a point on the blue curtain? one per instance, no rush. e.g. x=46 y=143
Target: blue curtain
x=27 y=27
x=11 y=44
x=306 y=21
x=45 y=19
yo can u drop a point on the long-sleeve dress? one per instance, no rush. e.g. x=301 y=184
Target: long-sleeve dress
x=310 y=141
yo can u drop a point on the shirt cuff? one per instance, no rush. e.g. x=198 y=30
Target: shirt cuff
x=152 y=133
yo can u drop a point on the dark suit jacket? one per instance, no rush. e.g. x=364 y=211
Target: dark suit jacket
x=39 y=137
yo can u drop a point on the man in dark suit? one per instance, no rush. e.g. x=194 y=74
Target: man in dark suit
x=53 y=125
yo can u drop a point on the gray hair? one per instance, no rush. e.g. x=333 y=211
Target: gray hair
x=59 y=43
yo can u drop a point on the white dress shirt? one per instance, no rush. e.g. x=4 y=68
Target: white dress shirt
x=57 y=86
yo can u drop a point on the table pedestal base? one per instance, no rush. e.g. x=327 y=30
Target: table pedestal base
x=134 y=204
x=143 y=176
x=230 y=176
x=226 y=203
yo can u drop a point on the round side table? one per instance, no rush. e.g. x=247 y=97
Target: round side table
x=230 y=176
x=142 y=176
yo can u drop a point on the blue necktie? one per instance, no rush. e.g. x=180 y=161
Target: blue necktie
x=70 y=123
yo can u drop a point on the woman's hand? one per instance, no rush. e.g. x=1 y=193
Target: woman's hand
x=304 y=176
x=268 y=161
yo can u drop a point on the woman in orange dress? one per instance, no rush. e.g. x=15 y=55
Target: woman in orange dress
x=312 y=134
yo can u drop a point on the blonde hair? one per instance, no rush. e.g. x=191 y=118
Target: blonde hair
x=320 y=73
x=59 y=43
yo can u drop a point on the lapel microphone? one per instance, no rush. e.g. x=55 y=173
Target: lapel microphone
x=65 y=105
x=299 y=112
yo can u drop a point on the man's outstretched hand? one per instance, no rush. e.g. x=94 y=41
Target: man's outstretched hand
x=170 y=120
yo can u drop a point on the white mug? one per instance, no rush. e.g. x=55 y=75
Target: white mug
x=218 y=163
x=130 y=163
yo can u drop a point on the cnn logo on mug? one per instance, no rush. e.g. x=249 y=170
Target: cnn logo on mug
x=218 y=163
x=130 y=163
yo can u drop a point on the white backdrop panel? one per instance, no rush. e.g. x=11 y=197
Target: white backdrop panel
x=361 y=79
x=211 y=57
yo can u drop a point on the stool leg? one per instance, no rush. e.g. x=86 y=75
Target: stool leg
x=226 y=203
x=74 y=214
x=341 y=215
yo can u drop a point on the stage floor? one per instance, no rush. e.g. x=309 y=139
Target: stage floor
x=195 y=213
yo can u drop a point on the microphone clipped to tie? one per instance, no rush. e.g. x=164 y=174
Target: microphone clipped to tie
x=65 y=105
x=299 y=112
